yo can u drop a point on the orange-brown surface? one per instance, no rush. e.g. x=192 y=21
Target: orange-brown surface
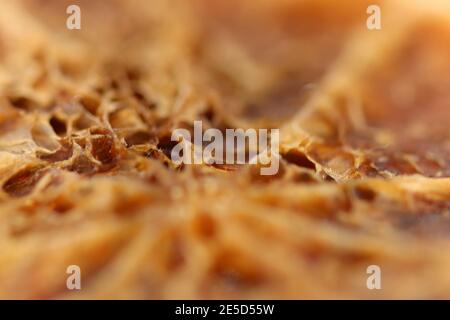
x=85 y=171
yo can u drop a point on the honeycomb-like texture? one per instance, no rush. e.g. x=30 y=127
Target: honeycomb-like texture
x=86 y=178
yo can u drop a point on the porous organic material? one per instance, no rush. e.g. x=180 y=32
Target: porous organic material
x=86 y=177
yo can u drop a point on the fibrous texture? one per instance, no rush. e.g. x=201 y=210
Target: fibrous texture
x=85 y=138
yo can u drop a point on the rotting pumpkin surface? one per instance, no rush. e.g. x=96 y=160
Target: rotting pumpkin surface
x=86 y=177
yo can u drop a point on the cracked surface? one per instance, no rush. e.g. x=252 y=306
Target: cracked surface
x=86 y=178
